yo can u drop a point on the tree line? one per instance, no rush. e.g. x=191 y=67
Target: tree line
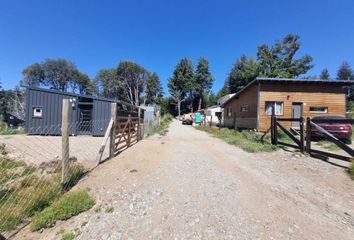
x=189 y=85
x=128 y=81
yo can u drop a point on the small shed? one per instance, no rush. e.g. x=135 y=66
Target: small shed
x=89 y=115
x=15 y=119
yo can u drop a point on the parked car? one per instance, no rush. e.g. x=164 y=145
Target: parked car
x=342 y=131
x=187 y=119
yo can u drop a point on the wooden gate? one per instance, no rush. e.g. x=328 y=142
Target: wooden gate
x=123 y=129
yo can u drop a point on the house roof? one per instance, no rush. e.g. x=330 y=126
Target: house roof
x=262 y=79
x=225 y=98
x=18 y=115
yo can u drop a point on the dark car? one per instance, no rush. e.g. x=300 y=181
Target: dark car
x=187 y=121
x=342 y=131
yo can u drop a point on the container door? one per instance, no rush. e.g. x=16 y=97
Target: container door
x=85 y=120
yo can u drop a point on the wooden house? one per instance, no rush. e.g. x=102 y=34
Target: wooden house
x=252 y=107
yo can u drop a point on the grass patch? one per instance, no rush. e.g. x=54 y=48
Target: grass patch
x=109 y=210
x=351 y=170
x=68 y=236
x=6 y=130
x=164 y=124
x=248 y=141
x=26 y=190
x=67 y=206
x=328 y=145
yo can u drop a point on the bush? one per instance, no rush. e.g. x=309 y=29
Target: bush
x=248 y=141
x=67 y=206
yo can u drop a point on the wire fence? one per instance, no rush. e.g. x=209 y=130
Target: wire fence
x=31 y=169
x=33 y=164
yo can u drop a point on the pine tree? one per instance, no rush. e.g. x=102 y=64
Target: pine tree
x=154 y=90
x=345 y=72
x=181 y=82
x=324 y=74
x=203 y=80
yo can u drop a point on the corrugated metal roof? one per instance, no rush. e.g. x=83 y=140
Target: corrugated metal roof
x=79 y=95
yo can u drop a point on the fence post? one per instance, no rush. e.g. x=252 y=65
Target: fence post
x=129 y=128
x=113 y=130
x=65 y=175
x=308 y=135
x=139 y=131
x=302 y=133
x=272 y=126
x=211 y=120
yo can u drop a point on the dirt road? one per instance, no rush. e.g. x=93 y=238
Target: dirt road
x=188 y=185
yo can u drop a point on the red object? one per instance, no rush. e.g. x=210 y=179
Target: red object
x=342 y=131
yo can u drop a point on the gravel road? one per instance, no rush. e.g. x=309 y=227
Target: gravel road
x=189 y=185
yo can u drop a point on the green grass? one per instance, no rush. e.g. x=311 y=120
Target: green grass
x=351 y=170
x=164 y=124
x=26 y=190
x=328 y=145
x=67 y=206
x=248 y=141
x=68 y=236
x=109 y=210
x=5 y=130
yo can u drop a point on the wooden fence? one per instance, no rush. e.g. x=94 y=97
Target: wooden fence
x=124 y=129
x=302 y=137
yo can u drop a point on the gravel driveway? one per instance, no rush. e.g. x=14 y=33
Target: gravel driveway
x=189 y=185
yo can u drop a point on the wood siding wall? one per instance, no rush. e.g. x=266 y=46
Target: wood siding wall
x=310 y=94
x=243 y=119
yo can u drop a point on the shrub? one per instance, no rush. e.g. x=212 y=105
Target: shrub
x=67 y=206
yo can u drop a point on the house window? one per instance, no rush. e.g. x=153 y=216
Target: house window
x=245 y=108
x=319 y=109
x=228 y=111
x=277 y=106
x=37 y=112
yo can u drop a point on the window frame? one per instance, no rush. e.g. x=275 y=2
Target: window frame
x=245 y=108
x=34 y=112
x=318 y=111
x=273 y=106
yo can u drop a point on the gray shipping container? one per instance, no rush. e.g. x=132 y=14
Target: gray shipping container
x=89 y=115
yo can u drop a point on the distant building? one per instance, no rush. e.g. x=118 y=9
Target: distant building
x=253 y=106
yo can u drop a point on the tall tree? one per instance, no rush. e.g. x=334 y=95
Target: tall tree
x=279 y=60
x=324 y=74
x=154 y=90
x=345 y=72
x=59 y=74
x=203 y=80
x=134 y=77
x=33 y=75
x=180 y=83
x=272 y=61
x=109 y=85
x=243 y=71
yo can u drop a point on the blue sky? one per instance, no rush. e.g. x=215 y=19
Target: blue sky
x=157 y=34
